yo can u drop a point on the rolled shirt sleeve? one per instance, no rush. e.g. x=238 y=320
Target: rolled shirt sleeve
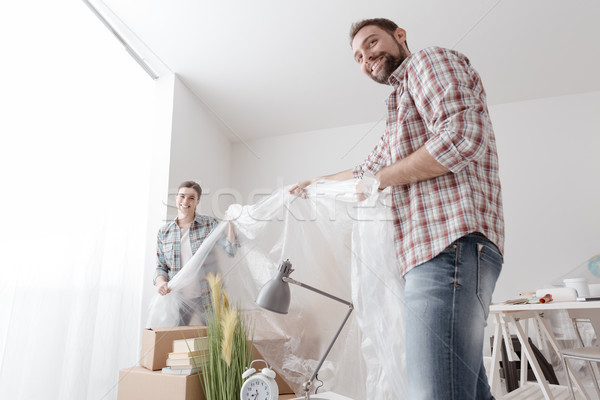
x=231 y=248
x=379 y=158
x=449 y=96
x=161 y=265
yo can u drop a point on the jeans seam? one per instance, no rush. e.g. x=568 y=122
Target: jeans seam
x=456 y=258
x=458 y=247
x=479 y=247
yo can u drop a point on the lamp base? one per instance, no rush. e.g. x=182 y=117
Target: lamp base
x=325 y=396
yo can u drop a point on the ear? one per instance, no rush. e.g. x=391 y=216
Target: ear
x=400 y=35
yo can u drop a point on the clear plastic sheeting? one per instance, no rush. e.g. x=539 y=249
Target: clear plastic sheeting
x=335 y=243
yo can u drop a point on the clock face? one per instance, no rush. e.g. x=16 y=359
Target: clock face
x=256 y=389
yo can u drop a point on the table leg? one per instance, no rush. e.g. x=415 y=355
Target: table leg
x=510 y=350
x=524 y=359
x=535 y=366
x=495 y=385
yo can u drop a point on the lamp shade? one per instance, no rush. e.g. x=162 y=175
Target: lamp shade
x=275 y=294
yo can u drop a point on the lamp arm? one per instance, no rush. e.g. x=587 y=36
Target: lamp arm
x=308 y=384
x=304 y=285
x=314 y=375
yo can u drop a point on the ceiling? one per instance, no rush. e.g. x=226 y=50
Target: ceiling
x=274 y=67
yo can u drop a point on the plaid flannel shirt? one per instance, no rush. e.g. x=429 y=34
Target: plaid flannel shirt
x=439 y=102
x=168 y=246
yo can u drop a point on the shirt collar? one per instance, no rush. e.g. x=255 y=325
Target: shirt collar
x=396 y=77
x=197 y=220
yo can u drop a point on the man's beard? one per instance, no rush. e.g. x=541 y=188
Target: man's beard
x=389 y=64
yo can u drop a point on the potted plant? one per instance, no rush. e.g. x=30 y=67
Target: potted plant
x=229 y=347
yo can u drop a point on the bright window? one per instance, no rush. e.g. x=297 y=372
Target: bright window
x=74 y=158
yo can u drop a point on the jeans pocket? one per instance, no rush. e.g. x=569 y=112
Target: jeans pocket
x=489 y=265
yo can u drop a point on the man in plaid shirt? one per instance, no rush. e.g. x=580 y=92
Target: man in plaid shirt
x=178 y=241
x=438 y=158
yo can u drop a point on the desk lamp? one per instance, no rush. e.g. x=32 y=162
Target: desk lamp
x=275 y=296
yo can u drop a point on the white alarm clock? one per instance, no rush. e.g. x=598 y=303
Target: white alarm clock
x=259 y=385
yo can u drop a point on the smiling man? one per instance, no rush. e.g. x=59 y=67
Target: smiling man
x=438 y=158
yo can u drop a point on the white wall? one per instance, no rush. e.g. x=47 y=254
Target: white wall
x=262 y=165
x=200 y=151
x=550 y=169
x=549 y=164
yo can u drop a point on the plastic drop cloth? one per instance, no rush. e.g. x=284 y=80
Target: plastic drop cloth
x=335 y=243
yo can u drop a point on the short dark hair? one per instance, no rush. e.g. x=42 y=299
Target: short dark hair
x=191 y=184
x=383 y=23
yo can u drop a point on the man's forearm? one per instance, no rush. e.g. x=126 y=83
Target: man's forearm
x=419 y=166
x=298 y=188
x=340 y=176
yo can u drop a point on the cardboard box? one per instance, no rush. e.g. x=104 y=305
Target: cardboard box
x=139 y=383
x=158 y=343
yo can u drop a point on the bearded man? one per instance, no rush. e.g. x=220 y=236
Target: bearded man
x=438 y=158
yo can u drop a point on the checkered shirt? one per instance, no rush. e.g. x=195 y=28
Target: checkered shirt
x=439 y=102
x=168 y=244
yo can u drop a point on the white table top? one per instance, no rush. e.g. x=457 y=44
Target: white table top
x=553 y=305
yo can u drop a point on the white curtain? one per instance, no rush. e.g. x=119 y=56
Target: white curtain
x=77 y=113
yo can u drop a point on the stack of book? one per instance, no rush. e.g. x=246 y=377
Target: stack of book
x=188 y=356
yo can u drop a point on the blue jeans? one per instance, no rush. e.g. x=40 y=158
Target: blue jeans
x=447 y=302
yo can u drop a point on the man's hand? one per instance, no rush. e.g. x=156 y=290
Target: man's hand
x=361 y=191
x=162 y=286
x=299 y=188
